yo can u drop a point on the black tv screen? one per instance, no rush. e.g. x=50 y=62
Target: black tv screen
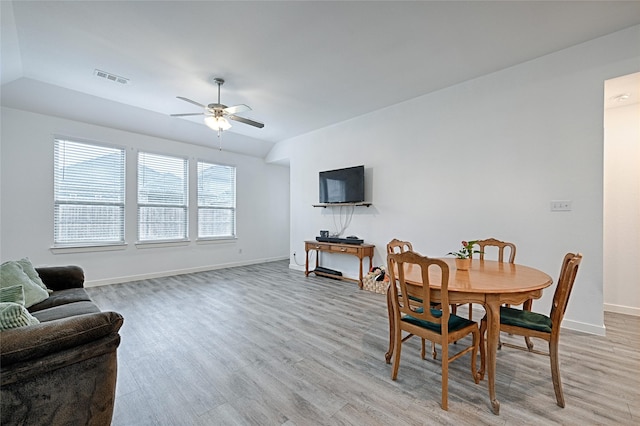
x=342 y=185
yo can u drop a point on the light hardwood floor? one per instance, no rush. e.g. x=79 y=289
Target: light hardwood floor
x=265 y=345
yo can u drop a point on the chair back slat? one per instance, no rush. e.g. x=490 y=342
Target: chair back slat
x=399 y=246
x=501 y=245
x=568 y=273
x=415 y=300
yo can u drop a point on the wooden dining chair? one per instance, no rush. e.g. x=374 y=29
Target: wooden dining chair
x=526 y=323
x=413 y=314
x=398 y=246
x=502 y=246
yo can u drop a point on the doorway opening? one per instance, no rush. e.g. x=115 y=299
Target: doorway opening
x=621 y=269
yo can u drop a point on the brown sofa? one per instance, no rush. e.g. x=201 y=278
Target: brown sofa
x=63 y=370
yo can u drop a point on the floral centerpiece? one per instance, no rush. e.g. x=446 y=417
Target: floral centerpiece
x=466 y=251
x=463 y=256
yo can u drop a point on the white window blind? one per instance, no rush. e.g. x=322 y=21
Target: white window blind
x=216 y=201
x=89 y=194
x=162 y=197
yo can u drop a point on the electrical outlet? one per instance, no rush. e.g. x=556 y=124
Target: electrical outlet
x=560 y=205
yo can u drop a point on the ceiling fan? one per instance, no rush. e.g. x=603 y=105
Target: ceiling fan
x=216 y=114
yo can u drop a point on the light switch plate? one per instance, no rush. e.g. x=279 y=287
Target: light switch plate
x=560 y=205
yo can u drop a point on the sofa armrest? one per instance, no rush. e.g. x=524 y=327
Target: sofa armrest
x=36 y=341
x=61 y=277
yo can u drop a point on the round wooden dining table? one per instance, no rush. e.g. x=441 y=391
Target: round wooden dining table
x=489 y=283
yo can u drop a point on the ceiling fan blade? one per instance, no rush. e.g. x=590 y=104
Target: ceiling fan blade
x=246 y=121
x=187 y=114
x=236 y=109
x=190 y=101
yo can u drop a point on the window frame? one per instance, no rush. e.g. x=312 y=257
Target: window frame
x=200 y=206
x=184 y=206
x=58 y=199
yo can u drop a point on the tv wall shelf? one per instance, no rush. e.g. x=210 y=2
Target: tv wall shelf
x=325 y=205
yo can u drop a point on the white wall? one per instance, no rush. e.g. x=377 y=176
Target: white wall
x=27 y=204
x=622 y=209
x=480 y=159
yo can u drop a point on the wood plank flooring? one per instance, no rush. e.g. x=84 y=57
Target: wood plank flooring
x=265 y=345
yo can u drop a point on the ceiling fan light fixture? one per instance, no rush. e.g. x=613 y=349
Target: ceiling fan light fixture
x=217 y=123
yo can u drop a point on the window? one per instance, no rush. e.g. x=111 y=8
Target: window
x=89 y=193
x=216 y=201
x=162 y=198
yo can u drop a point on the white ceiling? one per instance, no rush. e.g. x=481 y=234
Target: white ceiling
x=300 y=65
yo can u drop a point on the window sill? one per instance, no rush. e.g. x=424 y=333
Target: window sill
x=87 y=249
x=161 y=244
x=216 y=240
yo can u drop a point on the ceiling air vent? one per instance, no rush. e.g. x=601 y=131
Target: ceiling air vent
x=111 y=77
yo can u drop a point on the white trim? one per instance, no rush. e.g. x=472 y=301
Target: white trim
x=618 y=309
x=216 y=240
x=84 y=140
x=296 y=267
x=124 y=279
x=584 y=327
x=161 y=244
x=87 y=249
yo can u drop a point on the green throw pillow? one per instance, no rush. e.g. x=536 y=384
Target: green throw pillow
x=13 y=315
x=31 y=272
x=13 y=294
x=12 y=274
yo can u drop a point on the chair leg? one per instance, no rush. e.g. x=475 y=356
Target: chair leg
x=483 y=349
x=396 y=354
x=555 y=373
x=389 y=353
x=528 y=342
x=470 y=311
x=474 y=357
x=445 y=377
x=423 y=351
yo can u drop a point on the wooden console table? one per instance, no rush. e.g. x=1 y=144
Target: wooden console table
x=359 y=250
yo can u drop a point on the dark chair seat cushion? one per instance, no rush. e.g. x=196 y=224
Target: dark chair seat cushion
x=525 y=319
x=455 y=322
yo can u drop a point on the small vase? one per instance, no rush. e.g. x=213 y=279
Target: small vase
x=463 y=264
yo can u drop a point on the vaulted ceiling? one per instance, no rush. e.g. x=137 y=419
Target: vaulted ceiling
x=300 y=65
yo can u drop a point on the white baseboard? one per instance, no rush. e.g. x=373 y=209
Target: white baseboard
x=296 y=267
x=618 y=309
x=128 y=278
x=584 y=327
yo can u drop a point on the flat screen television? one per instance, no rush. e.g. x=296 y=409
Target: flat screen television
x=342 y=185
